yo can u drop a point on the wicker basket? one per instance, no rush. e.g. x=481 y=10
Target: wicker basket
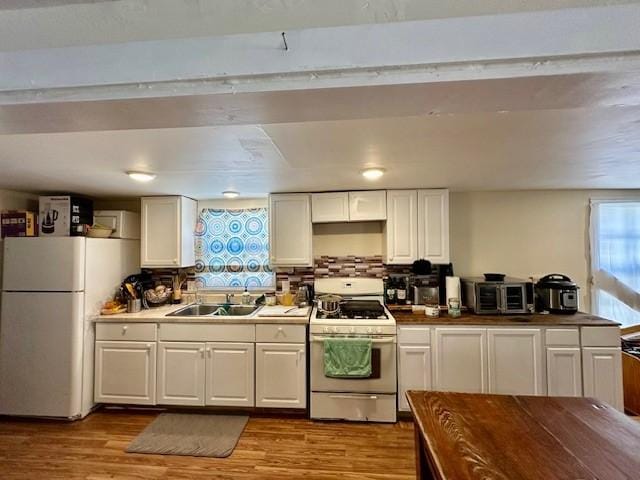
x=156 y=299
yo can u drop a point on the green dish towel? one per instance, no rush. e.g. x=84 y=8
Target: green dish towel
x=347 y=357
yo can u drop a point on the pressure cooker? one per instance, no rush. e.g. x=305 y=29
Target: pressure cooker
x=556 y=293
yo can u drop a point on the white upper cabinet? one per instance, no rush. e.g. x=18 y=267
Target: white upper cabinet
x=330 y=207
x=401 y=230
x=167 y=232
x=290 y=233
x=361 y=206
x=433 y=225
x=367 y=205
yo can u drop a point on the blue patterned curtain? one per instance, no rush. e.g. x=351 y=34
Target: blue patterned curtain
x=232 y=249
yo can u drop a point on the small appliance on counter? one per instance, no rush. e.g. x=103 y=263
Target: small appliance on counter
x=65 y=215
x=509 y=296
x=426 y=290
x=556 y=293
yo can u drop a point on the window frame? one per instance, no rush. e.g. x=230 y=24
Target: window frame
x=594 y=244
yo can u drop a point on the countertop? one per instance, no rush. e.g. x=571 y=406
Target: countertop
x=159 y=315
x=539 y=319
x=472 y=436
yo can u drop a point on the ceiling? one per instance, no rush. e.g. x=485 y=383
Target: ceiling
x=532 y=149
x=536 y=132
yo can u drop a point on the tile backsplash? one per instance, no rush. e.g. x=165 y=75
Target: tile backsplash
x=346 y=266
x=323 y=267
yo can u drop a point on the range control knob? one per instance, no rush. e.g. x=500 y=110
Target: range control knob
x=352 y=329
x=370 y=330
x=379 y=330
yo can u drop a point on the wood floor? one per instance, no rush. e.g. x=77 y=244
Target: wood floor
x=93 y=449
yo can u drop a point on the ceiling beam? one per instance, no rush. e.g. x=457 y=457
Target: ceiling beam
x=361 y=55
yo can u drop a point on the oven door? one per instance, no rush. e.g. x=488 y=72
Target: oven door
x=383 y=371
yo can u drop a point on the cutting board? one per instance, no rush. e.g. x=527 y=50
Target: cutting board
x=283 y=311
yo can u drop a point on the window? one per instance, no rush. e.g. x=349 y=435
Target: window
x=615 y=251
x=232 y=249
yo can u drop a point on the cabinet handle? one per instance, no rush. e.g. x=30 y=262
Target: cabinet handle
x=209 y=352
x=149 y=345
x=201 y=350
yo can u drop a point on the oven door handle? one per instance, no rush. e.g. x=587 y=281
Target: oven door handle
x=363 y=396
x=316 y=338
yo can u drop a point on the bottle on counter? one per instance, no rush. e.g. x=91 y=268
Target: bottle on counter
x=246 y=297
x=390 y=292
x=401 y=291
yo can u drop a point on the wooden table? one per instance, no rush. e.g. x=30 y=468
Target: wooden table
x=501 y=437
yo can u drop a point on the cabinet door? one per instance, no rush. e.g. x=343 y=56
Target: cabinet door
x=230 y=374
x=181 y=368
x=167 y=231
x=515 y=361
x=602 y=374
x=414 y=371
x=460 y=358
x=281 y=375
x=125 y=372
x=401 y=229
x=330 y=207
x=564 y=372
x=367 y=205
x=433 y=225
x=290 y=233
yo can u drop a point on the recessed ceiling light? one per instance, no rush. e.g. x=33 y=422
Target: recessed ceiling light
x=373 y=173
x=141 y=176
x=230 y=194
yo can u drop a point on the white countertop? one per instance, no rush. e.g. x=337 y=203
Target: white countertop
x=159 y=315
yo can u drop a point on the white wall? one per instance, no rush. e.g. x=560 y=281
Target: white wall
x=340 y=239
x=525 y=233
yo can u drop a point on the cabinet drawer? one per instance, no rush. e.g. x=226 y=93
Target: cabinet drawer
x=274 y=333
x=193 y=332
x=562 y=337
x=414 y=335
x=142 y=332
x=600 y=336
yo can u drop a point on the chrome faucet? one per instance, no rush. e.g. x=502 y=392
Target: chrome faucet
x=229 y=297
x=198 y=298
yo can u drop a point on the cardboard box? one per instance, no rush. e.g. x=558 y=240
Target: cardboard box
x=65 y=215
x=19 y=223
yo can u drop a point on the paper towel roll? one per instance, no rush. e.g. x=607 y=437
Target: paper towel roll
x=452 y=287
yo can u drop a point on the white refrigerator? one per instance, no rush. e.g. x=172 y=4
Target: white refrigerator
x=52 y=289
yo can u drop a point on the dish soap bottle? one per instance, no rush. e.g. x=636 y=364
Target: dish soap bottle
x=246 y=297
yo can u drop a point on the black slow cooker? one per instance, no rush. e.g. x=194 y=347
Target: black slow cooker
x=556 y=293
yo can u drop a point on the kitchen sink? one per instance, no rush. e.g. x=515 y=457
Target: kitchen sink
x=214 y=309
x=235 y=310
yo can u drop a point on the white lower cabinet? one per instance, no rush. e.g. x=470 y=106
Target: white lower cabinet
x=230 y=374
x=125 y=372
x=281 y=375
x=602 y=374
x=564 y=372
x=181 y=369
x=515 y=364
x=192 y=373
x=460 y=359
x=414 y=371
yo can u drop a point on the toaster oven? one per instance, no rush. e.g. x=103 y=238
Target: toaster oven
x=511 y=296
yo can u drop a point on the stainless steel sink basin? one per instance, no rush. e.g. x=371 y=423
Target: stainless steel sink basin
x=236 y=310
x=217 y=310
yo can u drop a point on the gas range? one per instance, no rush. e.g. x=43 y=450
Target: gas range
x=362 y=313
